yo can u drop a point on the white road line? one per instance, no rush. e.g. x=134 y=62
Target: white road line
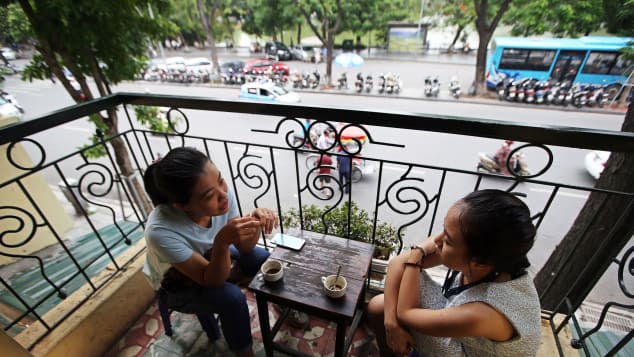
x=561 y=193
x=401 y=169
x=83 y=130
x=30 y=92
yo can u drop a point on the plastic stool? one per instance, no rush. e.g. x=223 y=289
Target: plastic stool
x=207 y=321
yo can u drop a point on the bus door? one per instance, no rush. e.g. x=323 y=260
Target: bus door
x=567 y=65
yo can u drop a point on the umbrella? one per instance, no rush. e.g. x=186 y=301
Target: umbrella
x=349 y=59
x=346 y=136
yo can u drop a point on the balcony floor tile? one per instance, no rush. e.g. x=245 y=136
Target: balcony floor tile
x=147 y=338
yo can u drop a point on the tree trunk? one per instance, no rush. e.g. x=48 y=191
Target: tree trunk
x=599 y=233
x=208 y=27
x=455 y=39
x=485 y=32
x=299 y=33
x=481 y=60
x=329 y=49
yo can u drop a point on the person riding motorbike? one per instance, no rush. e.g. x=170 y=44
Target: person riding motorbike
x=502 y=156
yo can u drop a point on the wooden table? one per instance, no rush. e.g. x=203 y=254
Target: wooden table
x=301 y=287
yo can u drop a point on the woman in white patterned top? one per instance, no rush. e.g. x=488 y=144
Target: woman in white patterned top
x=488 y=305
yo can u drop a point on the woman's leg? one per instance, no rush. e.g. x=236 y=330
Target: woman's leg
x=375 y=323
x=231 y=306
x=229 y=303
x=250 y=262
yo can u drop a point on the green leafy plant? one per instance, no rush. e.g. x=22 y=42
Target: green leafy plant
x=336 y=221
x=155 y=120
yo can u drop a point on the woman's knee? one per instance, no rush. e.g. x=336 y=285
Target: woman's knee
x=376 y=307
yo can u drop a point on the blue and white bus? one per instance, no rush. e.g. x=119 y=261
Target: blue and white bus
x=589 y=59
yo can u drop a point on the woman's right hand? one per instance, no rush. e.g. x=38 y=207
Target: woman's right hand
x=398 y=339
x=238 y=229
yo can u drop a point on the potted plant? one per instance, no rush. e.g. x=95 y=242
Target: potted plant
x=334 y=221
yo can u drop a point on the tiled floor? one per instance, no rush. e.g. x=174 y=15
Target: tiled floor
x=146 y=338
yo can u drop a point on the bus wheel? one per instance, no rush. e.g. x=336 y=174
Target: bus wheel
x=613 y=90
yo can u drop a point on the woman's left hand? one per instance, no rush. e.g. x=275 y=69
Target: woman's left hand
x=268 y=219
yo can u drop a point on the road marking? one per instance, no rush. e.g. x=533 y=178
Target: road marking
x=83 y=130
x=402 y=169
x=30 y=92
x=560 y=193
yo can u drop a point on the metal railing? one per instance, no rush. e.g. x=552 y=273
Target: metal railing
x=265 y=162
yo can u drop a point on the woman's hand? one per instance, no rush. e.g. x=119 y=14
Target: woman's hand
x=398 y=339
x=238 y=230
x=267 y=218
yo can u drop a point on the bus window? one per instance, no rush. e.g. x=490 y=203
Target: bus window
x=599 y=62
x=567 y=65
x=620 y=66
x=513 y=58
x=540 y=60
x=532 y=60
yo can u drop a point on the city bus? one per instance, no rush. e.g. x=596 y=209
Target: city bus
x=591 y=59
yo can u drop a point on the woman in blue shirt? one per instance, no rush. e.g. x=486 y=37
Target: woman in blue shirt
x=193 y=233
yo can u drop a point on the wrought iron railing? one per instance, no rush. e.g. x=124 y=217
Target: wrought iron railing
x=264 y=150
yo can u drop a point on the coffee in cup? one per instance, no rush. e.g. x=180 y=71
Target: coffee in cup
x=334 y=287
x=272 y=270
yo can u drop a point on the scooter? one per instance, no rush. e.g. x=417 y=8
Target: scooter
x=454 y=87
x=315 y=79
x=368 y=83
x=342 y=81
x=432 y=87
x=487 y=163
x=358 y=84
x=381 y=84
x=427 y=87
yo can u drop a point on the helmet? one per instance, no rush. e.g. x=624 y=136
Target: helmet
x=509 y=142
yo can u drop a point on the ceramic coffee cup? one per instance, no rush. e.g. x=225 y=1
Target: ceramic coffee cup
x=332 y=288
x=272 y=270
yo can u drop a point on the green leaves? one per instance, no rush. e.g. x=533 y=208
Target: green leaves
x=561 y=18
x=334 y=221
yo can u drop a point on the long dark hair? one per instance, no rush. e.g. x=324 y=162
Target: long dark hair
x=497 y=229
x=172 y=178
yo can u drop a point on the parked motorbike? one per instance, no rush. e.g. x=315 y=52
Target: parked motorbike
x=541 y=91
x=381 y=84
x=392 y=84
x=488 y=163
x=315 y=80
x=503 y=87
x=454 y=87
x=342 y=81
x=358 y=84
x=305 y=80
x=368 y=83
x=432 y=87
x=580 y=95
x=529 y=91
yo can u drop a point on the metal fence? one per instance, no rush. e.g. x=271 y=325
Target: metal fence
x=268 y=161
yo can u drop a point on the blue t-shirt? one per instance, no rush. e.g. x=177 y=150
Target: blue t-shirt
x=172 y=237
